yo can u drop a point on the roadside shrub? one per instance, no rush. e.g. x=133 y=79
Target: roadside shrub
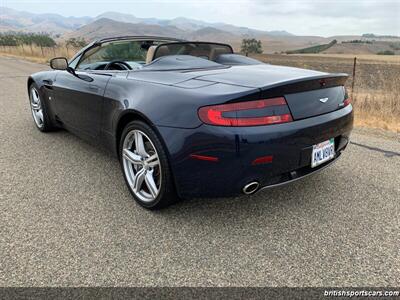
x=386 y=52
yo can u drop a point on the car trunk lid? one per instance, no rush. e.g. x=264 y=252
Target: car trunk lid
x=308 y=93
x=255 y=76
x=312 y=96
x=315 y=102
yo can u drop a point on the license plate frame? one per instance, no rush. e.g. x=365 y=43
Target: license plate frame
x=323 y=152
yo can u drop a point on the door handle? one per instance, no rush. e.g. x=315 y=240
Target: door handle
x=93 y=87
x=48 y=83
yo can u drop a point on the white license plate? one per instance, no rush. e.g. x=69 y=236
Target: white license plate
x=322 y=152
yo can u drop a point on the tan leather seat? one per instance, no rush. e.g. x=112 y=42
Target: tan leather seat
x=150 y=54
x=162 y=51
x=216 y=51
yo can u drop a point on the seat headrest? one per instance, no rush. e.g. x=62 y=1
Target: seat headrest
x=162 y=51
x=217 y=51
x=150 y=54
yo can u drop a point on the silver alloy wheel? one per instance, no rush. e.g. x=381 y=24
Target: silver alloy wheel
x=36 y=107
x=141 y=165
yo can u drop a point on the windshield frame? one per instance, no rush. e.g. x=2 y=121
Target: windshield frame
x=76 y=59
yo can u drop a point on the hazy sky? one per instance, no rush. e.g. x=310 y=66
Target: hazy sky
x=306 y=17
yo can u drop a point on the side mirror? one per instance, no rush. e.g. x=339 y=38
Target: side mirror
x=59 y=63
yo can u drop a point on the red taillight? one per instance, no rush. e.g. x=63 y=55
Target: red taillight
x=346 y=102
x=214 y=115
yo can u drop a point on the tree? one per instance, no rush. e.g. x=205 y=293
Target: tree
x=43 y=40
x=15 y=39
x=8 y=40
x=76 y=42
x=386 y=52
x=251 y=46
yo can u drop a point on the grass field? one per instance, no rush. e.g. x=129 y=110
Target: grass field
x=376 y=94
x=37 y=54
x=370 y=58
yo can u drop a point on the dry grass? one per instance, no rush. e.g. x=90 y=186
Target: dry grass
x=377 y=110
x=376 y=95
x=37 y=54
x=371 y=58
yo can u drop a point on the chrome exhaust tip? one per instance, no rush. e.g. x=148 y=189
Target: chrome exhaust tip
x=251 y=188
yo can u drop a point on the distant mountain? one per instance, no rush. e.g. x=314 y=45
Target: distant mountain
x=279 y=33
x=245 y=31
x=187 y=24
x=191 y=24
x=117 y=24
x=379 y=36
x=13 y=20
x=127 y=18
x=105 y=28
x=211 y=34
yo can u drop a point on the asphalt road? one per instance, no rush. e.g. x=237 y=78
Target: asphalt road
x=66 y=217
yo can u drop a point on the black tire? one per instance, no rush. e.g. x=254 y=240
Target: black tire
x=47 y=125
x=167 y=193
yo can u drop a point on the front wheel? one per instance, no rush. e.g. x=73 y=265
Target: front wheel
x=145 y=166
x=39 y=110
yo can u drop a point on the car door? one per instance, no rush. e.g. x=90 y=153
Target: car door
x=79 y=90
x=79 y=100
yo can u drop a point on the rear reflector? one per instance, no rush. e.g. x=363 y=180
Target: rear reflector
x=204 y=157
x=346 y=102
x=249 y=113
x=263 y=160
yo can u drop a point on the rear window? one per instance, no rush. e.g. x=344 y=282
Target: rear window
x=210 y=51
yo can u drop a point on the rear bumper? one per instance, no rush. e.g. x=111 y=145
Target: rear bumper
x=301 y=173
x=236 y=148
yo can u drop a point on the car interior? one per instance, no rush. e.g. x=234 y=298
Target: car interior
x=134 y=55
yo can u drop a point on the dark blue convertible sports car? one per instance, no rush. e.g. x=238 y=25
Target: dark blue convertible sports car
x=194 y=119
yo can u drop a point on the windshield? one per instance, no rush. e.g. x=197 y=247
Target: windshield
x=129 y=51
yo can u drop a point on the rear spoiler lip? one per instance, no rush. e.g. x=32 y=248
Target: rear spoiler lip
x=304 y=84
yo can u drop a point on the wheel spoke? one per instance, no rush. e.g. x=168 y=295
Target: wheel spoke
x=139 y=144
x=35 y=96
x=39 y=114
x=151 y=184
x=152 y=161
x=132 y=157
x=138 y=180
x=35 y=106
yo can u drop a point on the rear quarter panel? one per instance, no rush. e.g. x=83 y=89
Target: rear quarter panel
x=165 y=104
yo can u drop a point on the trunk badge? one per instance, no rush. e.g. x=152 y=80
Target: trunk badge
x=323 y=100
